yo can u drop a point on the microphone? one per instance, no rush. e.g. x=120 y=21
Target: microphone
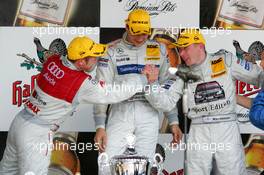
x=185 y=76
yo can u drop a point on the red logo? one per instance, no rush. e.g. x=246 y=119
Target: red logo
x=102 y=83
x=246 y=89
x=55 y=70
x=21 y=91
x=32 y=107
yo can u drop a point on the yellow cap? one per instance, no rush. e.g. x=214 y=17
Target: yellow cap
x=81 y=47
x=138 y=22
x=188 y=37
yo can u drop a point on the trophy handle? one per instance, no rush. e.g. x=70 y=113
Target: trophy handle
x=157 y=163
x=103 y=162
x=160 y=158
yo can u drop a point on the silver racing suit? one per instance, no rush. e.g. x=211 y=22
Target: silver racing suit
x=59 y=89
x=135 y=115
x=214 y=134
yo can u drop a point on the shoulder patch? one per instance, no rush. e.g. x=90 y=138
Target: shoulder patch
x=103 y=62
x=103 y=59
x=226 y=55
x=168 y=84
x=218 y=67
x=153 y=50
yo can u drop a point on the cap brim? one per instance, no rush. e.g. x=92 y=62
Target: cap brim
x=98 y=50
x=182 y=44
x=137 y=30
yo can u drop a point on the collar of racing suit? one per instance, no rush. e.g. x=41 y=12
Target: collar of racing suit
x=130 y=45
x=67 y=63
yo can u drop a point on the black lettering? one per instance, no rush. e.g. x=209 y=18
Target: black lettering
x=217 y=61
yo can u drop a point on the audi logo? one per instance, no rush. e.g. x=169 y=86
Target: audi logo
x=55 y=70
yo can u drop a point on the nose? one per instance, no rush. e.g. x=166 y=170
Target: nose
x=142 y=37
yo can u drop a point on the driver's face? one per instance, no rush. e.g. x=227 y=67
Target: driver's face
x=189 y=54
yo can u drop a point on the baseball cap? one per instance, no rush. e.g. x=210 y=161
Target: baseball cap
x=138 y=22
x=81 y=47
x=188 y=37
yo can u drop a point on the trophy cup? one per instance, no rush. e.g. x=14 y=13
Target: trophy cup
x=129 y=163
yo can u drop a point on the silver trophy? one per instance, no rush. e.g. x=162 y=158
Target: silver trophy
x=129 y=163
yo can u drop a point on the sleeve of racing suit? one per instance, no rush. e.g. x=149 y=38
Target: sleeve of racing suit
x=97 y=92
x=172 y=116
x=165 y=99
x=105 y=72
x=256 y=113
x=163 y=77
x=245 y=71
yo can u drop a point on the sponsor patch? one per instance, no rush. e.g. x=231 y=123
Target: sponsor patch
x=102 y=83
x=101 y=64
x=103 y=60
x=122 y=59
x=94 y=81
x=152 y=58
x=153 y=50
x=130 y=69
x=120 y=50
x=167 y=84
x=218 y=67
x=248 y=66
x=245 y=64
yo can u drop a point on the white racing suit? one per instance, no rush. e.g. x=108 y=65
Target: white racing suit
x=59 y=89
x=214 y=135
x=136 y=115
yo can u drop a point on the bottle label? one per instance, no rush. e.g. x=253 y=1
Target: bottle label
x=52 y=11
x=249 y=12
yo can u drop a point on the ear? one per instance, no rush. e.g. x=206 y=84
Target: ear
x=127 y=29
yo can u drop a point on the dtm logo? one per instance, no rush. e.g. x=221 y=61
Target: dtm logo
x=55 y=70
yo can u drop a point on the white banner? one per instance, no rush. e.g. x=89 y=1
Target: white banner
x=17 y=80
x=164 y=13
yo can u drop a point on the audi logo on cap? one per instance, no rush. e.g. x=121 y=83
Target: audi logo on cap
x=55 y=70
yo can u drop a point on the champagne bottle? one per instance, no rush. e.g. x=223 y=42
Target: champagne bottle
x=239 y=51
x=254 y=151
x=240 y=14
x=36 y=13
x=40 y=50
